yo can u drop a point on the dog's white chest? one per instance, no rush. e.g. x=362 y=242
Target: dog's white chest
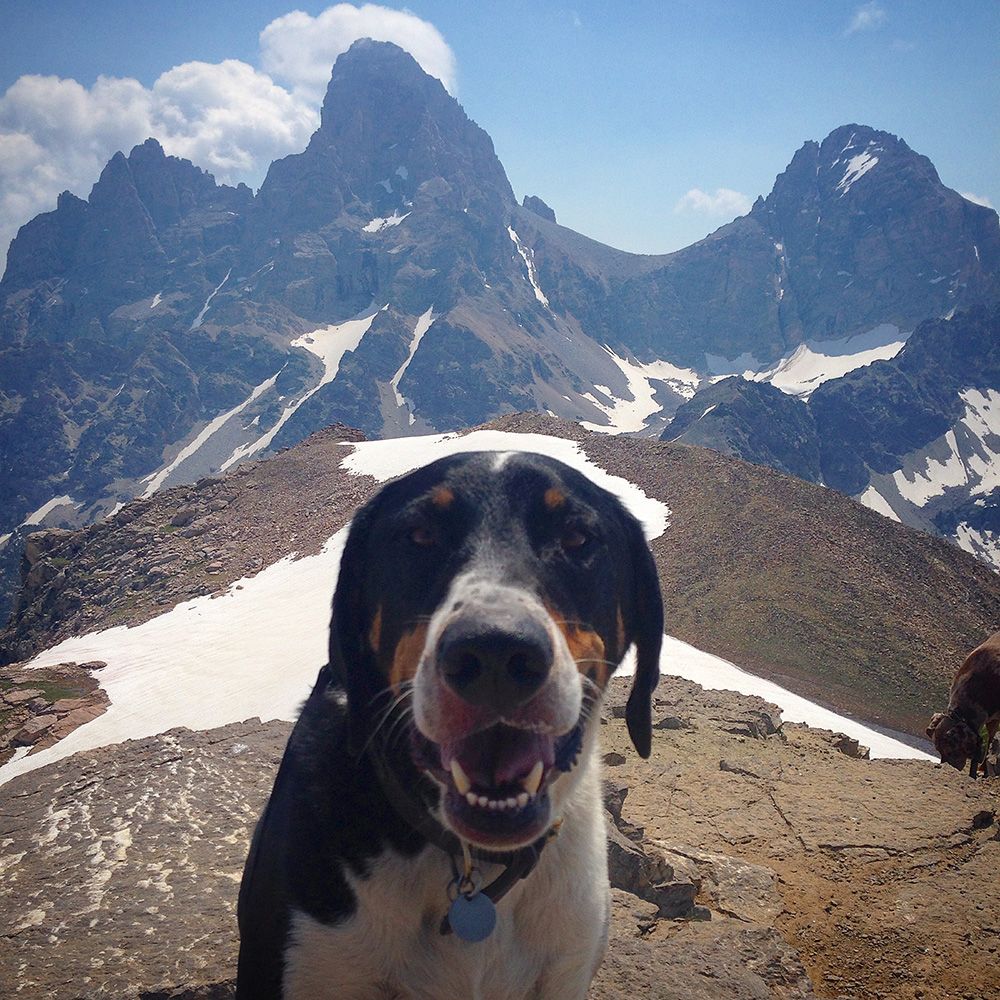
x=550 y=934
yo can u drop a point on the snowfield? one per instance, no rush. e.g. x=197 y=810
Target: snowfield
x=256 y=650
x=813 y=363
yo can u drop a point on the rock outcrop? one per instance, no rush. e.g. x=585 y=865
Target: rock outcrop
x=777 y=877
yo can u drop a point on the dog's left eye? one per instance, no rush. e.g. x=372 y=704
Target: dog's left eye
x=423 y=536
x=573 y=539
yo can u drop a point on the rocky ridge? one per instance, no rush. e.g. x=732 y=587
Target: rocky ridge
x=795 y=582
x=39 y=707
x=913 y=437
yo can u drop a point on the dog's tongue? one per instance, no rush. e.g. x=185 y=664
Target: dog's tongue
x=499 y=755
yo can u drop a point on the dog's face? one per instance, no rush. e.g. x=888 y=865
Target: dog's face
x=954 y=740
x=483 y=603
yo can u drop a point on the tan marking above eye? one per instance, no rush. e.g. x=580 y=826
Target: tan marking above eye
x=442 y=497
x=554 y=498
x=406 y=657
x=375 y=632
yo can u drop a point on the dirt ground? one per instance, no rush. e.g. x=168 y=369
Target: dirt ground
x=885 y=872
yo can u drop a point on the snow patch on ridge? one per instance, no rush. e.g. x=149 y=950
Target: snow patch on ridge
x=37 y=516
x=984 y=545
x=423 y=324
x=874 y=500
x=204 y=309
x=528 y=256
x=377 y=225
x=267 y=634
x=816 y=362
x=157 y=479
x=967 y=455
x=857 y=167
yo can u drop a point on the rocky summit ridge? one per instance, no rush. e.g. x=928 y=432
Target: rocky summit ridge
x=169 y=327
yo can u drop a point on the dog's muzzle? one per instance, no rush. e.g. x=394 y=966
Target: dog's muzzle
x=498 y=710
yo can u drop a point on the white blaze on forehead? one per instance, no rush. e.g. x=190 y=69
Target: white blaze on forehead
x=384 y=460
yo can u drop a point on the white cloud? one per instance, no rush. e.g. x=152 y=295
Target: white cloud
x=866 y=18
x=56 y=135
x=231 y=118
x=724 y=202
x=300 y=49
x=979 y=199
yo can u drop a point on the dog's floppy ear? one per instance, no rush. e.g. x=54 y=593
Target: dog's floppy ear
x=349 y=663
x=644 y=627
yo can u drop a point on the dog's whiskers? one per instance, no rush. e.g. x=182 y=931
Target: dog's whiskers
x=400 y=699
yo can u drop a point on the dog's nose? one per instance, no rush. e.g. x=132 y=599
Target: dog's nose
x=495 y=666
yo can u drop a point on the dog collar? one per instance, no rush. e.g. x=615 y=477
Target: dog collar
x=518 y=864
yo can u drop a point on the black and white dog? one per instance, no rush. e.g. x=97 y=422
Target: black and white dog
x=482 y=604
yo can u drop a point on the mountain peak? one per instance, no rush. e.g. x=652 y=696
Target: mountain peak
x=376 y=68
x=386 y=128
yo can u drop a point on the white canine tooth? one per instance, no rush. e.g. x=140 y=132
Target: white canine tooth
x=460 y=778
x=522 y=800
x=471 y=798
x=512 y=802
x=534 y=778
x=483 y=801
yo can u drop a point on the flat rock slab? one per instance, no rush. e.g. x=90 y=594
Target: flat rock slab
x=119 y=868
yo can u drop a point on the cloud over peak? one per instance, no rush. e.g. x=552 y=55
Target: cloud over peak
x=300 y=49
x=229 y=117
x=723 y=202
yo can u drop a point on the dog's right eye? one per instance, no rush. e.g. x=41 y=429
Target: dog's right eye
x=423 y=536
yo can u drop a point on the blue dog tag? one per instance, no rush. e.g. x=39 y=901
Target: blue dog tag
x=472 y=918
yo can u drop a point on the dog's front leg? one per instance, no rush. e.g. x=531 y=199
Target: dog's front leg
x=569 y=979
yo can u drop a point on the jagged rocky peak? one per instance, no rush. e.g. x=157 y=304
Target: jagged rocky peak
x=386 y=128
x=135 y=198
x=860 y=203
x=535 y=204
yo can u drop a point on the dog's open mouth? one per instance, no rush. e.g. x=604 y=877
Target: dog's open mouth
x=496 y=781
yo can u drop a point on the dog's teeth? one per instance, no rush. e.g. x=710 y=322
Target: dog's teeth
x=460 y=778
x=522 y=800
x=512 y=802
x=494 y=805
x=483 y=801
x=534 y=779
x=471 y=798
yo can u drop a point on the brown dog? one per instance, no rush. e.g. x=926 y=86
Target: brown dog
x=974 y=703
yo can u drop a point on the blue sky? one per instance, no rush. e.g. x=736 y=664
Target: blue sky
x=645 y=125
